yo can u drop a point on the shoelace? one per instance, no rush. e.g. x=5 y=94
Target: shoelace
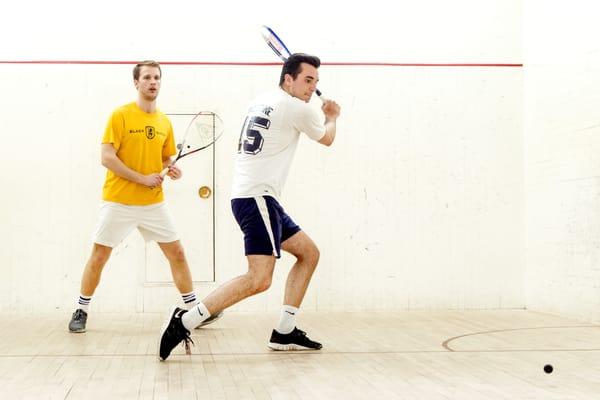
x=302 y=334
x=186 y=344
x=78 y=315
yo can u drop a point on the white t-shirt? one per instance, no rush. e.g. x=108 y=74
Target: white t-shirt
x=268 y=142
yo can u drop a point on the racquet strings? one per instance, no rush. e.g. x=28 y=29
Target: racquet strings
x=203 y=130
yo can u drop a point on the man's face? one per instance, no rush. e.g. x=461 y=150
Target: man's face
x=148 y=84
x=305 y=83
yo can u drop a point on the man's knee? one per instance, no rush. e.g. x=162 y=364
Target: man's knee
x=260 y=284
x=178 y=255
x=310 y=255
x=315 y=254
x=259 y=280
x=100 y=256
x=175 y=253
x=260 y=273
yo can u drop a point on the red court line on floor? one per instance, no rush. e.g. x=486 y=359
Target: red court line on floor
x=242 y=63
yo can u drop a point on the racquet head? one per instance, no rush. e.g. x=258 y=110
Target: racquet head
x=275 y=43
x=203 y=130
x=279 y=48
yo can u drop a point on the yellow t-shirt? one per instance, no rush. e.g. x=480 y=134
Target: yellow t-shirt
x=141 y=141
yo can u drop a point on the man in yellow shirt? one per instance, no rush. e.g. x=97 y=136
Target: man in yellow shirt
x=137 y=144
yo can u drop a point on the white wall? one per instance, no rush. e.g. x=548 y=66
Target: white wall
x=417 y=205
x=562 y=147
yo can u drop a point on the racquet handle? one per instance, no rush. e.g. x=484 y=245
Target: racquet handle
x=165 y=171
x=323 y=98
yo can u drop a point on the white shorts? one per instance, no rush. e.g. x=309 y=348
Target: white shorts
x=116 y=221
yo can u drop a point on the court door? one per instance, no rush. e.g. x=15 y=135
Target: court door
x=191 y=202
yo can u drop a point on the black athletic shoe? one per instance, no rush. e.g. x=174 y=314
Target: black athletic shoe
x=173 y=333
x=78 y=320
x=295 y=340
x=210 y=320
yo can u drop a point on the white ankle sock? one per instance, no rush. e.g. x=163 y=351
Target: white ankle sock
x=195 y=316
x=84 y=302
x=287 y=321
x=189 y=299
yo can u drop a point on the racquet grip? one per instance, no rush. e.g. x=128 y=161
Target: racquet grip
x=164 y=172
x=323 y=98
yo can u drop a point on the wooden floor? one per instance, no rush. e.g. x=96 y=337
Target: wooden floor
x=407 y=355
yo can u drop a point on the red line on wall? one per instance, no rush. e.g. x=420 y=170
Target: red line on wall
x=235 y=63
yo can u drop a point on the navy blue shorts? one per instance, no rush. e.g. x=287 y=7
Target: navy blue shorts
x=264 y=223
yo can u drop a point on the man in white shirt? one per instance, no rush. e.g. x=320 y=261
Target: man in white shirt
x=267 y=145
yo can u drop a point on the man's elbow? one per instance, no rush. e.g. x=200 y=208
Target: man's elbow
x=105 y=160
x=326 y=141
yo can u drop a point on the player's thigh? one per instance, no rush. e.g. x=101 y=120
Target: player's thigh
x=260 y=225
x=300 y=245
x=115 y=222
x=261 y=267
x=156 y=224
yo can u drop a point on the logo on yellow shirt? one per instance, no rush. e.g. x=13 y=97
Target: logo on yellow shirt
x=150 y=132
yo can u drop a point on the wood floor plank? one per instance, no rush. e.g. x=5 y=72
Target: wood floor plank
x=405 y=355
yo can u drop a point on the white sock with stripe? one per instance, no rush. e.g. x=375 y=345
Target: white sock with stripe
x=195 y=316
x=287 y=321
x=189 y=299
x=84 y=302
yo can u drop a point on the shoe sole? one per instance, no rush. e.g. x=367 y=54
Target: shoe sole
x=163 y=329
x=288 y=347
x=203 y=324
x=80 y=331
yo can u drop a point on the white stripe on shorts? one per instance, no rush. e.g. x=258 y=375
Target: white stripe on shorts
x=264 y=213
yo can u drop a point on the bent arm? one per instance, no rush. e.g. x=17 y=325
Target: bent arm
x=329 y=137
x=114 y=163
x=332 y=111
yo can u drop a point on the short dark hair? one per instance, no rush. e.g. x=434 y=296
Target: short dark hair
x=292 y=65
x=147 y=63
